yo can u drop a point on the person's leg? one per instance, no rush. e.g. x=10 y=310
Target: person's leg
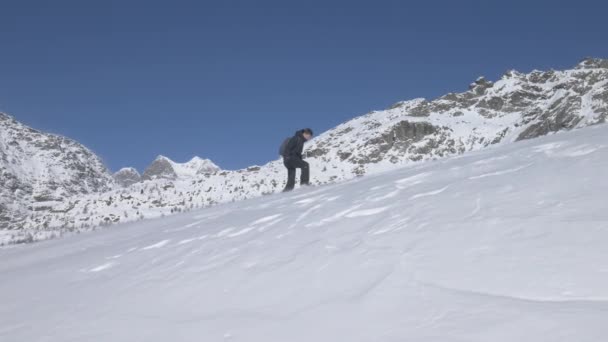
x=291 y=179
x=305 y=175
x=291 y=176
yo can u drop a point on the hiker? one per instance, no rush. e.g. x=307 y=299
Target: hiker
x=291 y=151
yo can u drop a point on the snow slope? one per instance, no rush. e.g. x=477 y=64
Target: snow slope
x=505 y=244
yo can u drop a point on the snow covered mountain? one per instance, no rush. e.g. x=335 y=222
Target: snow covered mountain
x=127 y=176
x=45 y=174
x=165 y=168
x=39 y=171
x=517 y=107
x=504 y=244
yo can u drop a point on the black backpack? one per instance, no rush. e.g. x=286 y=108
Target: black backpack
x=283 y=149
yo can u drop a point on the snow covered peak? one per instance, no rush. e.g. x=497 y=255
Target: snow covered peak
x=480 y=84
x=38 y=169
x=165 y=168
x=9 y=122
x=128 y=169
x=161 y=168
x=162 y=158
x=593 y=63
x=518 y=106
x=127 y=176
x=6 y=119
x=196 y=159
x=196 y=166
x=408 y=103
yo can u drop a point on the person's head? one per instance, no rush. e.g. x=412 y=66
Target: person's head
x=307 y=133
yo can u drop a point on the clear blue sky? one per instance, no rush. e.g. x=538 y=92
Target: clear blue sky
x=227 y=80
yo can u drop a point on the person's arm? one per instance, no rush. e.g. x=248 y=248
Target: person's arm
x=291 y=147
x=299 y=146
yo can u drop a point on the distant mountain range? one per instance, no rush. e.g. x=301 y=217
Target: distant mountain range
x=51 y=185
x=165 y=168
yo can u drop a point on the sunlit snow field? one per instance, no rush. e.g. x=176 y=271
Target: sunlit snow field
x=506 y=244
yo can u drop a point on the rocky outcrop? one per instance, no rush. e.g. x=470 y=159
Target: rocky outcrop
x=517 y=106
x=126 y=177
x=165 y=168
x=593 y=63
x=161 y=168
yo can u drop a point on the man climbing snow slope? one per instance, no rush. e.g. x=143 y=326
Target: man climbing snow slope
x=291 y=151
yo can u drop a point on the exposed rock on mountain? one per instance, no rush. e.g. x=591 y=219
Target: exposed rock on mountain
x=518 y=106
x=127 y=176
x=39 y=170
x=165 y=168
x=161 y=168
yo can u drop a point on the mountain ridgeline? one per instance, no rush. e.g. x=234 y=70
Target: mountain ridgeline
x=52 y=185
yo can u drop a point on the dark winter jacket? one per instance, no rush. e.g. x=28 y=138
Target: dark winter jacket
x=296 y=145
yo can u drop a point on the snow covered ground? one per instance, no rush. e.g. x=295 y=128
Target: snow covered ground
x=504 y=244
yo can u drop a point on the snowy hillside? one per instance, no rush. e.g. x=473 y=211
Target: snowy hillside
x=505 y=244
x=516 y=107
x=38 y=171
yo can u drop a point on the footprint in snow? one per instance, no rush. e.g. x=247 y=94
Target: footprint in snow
x=114 y=256
x=331 y=199
x=189 y=225
x=491 y=160
x=412 y=180
x=156 y=245
x=378 y=198
x=266 y=219
x=241 y=232
x=185 y=241
x=333 y=218
x=578 y=151
x=501 y=172
x=102 y=267
x=224 y=232
x=547 y=148
x=430 y=193
x=366 y=212
x=308 y=200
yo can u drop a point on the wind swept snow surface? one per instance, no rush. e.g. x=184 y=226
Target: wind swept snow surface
x=507 y=244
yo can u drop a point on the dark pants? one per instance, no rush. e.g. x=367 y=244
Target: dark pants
x=292 y=164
